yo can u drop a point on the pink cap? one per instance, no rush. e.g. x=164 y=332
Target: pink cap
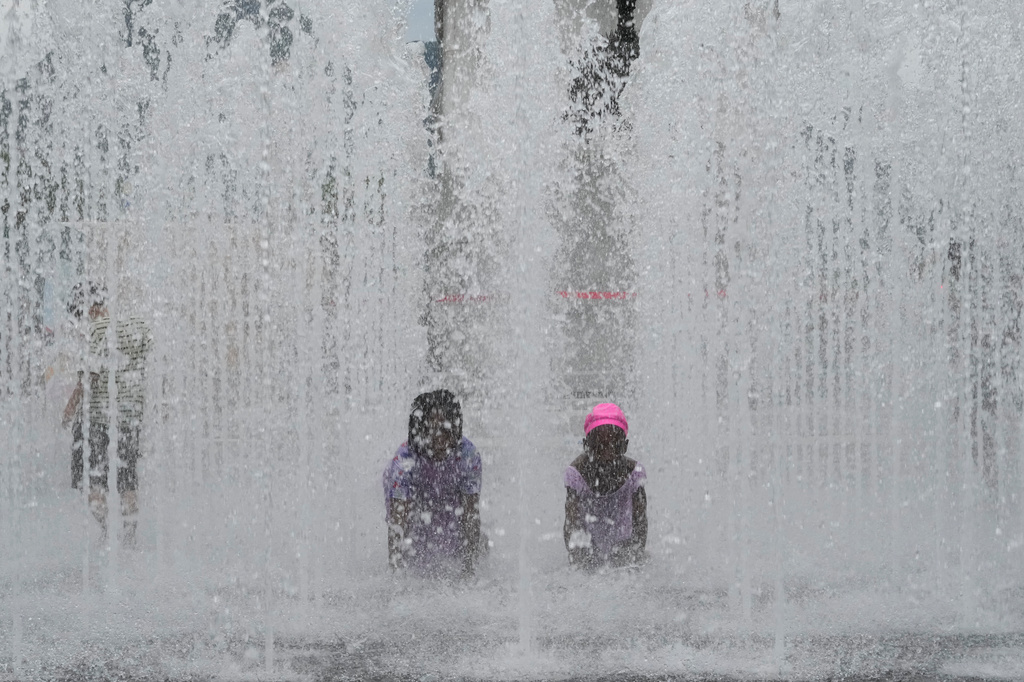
x=605 y=413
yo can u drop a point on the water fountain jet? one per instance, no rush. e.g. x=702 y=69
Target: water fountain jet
x=818 y=249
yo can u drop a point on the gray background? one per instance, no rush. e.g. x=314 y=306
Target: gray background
x=421 y=21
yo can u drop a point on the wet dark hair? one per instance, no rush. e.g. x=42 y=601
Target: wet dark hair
x=424 y=405
x=77 y=303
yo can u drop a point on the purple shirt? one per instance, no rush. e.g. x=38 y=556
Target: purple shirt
x=607 y=518
x=436 y=489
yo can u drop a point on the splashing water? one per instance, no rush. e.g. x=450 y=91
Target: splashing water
x=787 y=238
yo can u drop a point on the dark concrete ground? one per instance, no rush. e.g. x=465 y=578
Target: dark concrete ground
x=895 y=657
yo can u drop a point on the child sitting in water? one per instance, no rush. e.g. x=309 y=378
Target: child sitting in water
x=605 y=502
x=432 y=492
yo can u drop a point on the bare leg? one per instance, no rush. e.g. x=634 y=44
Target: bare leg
x=129 y=513
x=98 y=507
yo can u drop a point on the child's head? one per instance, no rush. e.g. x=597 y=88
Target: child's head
x=435 y=424
x=88 y=298
x=606 y=429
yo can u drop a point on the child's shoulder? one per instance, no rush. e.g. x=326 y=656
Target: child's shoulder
x=635 y=467
x=637 y=472
x=468 y=451
x=403 y=459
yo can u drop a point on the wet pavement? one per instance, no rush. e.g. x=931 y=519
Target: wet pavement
x=903 y=657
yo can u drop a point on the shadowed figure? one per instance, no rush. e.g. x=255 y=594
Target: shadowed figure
x=432 y=492
x=132 y=343
x=605 y=501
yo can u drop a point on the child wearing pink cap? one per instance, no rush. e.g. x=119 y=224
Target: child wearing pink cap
x=605 y=501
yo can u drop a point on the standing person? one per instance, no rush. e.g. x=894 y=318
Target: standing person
x=133 y=342
x=432 y=492
x=605 y=500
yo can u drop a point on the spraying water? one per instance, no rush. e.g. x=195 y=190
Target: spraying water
x=785 y=237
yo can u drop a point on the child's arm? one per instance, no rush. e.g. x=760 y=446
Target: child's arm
x=573 y=529
x=638 y=543
x=470 y=531
x=72 y=406
x=398 y=529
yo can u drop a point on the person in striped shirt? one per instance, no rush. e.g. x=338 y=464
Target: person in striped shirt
x=132 y=343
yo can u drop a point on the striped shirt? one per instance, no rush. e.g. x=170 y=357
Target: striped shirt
x=134 y=341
